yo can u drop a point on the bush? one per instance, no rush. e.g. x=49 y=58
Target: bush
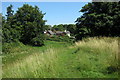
x=6 y=48
x=9 y=47
x=9 y=34
x=60 y=39
x=37 y=41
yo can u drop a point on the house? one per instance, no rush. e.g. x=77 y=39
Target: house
x=67 y=33
x=49 y=33
x=57 y=33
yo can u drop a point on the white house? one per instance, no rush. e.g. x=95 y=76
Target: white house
x=67 y=33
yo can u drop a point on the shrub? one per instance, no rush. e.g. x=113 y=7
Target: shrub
x=6 y=48
x=60 y=39
x=9 y=47
x=37 y=41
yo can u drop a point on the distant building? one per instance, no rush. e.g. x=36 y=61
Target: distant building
x=49 y=33
x=58 y=33
x=67 y=33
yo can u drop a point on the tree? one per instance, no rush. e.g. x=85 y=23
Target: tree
x=9 y=12
x=0 y=20
x=0 y=27
x=63 y=27
x=71 y=28
x=30 y=24
x=58 y=27
x=98 y=19
x=47 y=27
x=9 y=33
x=26 y=25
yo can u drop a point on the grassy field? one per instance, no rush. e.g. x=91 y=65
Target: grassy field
x=90 y=58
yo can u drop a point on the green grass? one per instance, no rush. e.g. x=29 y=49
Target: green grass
x=90 y=58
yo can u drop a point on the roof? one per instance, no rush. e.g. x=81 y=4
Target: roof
x=58 y=32
x=49 y=31
x=68 y=32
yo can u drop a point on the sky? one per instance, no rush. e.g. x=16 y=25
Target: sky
x=56 y=12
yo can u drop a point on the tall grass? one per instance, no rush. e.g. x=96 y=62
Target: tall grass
x=36 y=65
x=100 y=43
x=90 y=58
x=105 y=50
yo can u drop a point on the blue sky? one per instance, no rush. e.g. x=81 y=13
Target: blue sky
x=56 y=12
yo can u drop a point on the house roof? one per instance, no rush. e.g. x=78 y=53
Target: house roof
x=68 y=32
x=50 y=32
x=58 y=32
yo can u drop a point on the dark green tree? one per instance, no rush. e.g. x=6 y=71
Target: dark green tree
x=8 y=30
x=26 y=25
x=47 y=27
x=71 y=28
x=0 y=19
x=99 y=19
x=59 y=27
x=9 y=12
x=30 y=23
x=0 y=27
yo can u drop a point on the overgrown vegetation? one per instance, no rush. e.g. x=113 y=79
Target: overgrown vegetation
x=90 y=58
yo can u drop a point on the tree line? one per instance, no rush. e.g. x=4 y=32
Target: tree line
x=63 y=27
x=99 y=19
x=27 y=25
